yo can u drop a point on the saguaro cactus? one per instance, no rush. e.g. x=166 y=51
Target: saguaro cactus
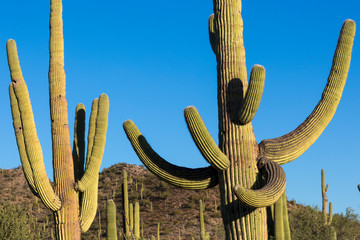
x=278 y=221
x=69 y=174
x=327 y=216
x=203 y=234
x=239 y=163
x=111 y=231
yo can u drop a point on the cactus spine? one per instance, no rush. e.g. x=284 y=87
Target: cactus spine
x=234 y=163
x=63 y=200
x=111 y=232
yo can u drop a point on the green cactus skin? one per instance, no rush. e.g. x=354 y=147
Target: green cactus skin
x=203 y=234
x=68 y=167
x=237 y=104
x=111 y=232
x=270 y=192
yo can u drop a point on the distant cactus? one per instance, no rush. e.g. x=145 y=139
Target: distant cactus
x=126 y=211
x=327 y=217
x=203 y=234
x=279 y=227
x=234 y=161
x=111 y=230
x=63 y=199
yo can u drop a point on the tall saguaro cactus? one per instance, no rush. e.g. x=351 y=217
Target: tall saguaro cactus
x=75 y=190
x=239 y=164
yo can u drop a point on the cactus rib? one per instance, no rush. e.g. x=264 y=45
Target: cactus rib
x=204 y=141
x=270 y=192
x=288 y=147
x=199 y=178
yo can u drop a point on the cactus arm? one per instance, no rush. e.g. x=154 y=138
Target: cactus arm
x=97 y=150
x=204 y=141
x=79 y=141
x=20 y=141
x=31 y=141
x=199 y=178
x=90 y=195
x=89 y=205
x=270 y=192
x=212 y=35
x=253 y=95
x=288 y=147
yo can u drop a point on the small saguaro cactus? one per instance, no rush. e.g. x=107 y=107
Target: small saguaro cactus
x=327 y=216
x=74 y=196
x=111 y=230
x=239 y=163
x=126 y=211
x=203 y=234
x=324 y=189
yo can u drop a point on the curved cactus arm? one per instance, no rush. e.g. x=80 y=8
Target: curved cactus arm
x=204 y=141
x=89 y=205
x=270 y=192
x=31 y=141
x=20 y=141
x=95 y=152
x=79 y=141
x=287 y=148
x=212 y=35
x=199 y=178
x=253 y=95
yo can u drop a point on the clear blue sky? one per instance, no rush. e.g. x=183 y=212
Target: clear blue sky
x=153 y=59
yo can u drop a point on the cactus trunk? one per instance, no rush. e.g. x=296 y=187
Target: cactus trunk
x=67 y=220
x=236 y=141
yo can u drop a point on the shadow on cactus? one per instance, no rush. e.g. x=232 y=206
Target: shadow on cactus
x=248 y=173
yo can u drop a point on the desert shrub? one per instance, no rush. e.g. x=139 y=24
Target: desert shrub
x=347 y=226
x=307 y=223
x=15 y=224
